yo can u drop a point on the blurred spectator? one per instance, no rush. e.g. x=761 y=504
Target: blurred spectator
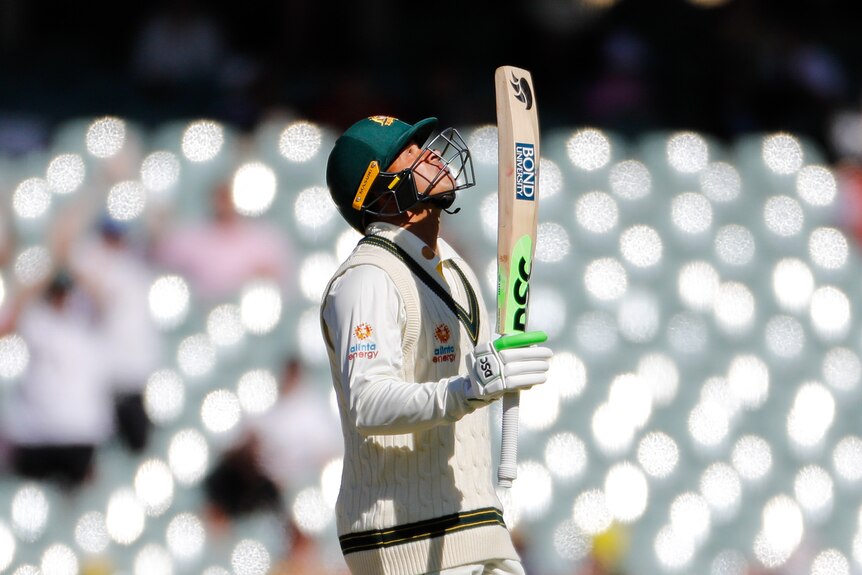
x=222 y=254
x=280 y=451
x=608 y=552
x=60 y=411
x=848 y=177
x=177 y=53
x=621 y=98
x=179 y=43
x=304 y=556
x=237 y=486
x=120 y=278
x=7 y=239
x=298 y=435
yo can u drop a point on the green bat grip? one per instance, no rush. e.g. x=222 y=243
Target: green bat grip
x=520 y=339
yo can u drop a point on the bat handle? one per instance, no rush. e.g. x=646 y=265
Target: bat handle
x=508 y=470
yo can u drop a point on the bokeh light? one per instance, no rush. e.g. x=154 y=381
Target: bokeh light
x=720 y=182
x=700 y=300
x=106 y=136
x=589 y=149
x=253 y=188
x=300 y=141
x=31 y=198
x=658 y=454
x=691 y=213
x=596 y=212
x=126 y=200
x=30 y=511
x=687 y=152
x=782 y=153
x=202 y=140
x=630 y=180
x=65 y=173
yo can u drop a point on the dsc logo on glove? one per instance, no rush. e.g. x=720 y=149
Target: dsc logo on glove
x=485 y=366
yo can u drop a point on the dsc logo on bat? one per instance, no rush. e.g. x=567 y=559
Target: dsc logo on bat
x=525 y=171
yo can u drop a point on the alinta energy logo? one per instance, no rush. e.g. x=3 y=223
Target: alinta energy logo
x=443 y=333
x=363 y=349
x=444 y=353
x=362 y=331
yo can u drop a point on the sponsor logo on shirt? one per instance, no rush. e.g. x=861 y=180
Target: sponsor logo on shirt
x=442 y=333
x=364 y=348
x=444 y=353
x=362 y=331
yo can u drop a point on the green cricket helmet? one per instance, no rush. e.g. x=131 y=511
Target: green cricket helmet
x=356 y=171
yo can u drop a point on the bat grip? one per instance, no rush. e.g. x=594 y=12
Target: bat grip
x=508 y=470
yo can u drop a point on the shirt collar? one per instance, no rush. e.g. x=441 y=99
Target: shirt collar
x=411 y=244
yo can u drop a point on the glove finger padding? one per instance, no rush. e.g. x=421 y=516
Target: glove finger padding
x=515 y=354
x=493 y=372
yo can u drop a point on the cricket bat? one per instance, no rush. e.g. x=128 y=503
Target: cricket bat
x=517 y=220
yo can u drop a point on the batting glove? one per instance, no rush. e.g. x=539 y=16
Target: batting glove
x=495 y=371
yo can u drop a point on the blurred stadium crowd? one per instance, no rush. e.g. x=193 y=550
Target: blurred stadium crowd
x=720 y=66
x=165 y=232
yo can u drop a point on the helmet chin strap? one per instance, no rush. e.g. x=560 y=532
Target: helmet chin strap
x=443 y=201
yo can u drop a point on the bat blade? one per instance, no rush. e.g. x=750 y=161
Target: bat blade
x=517 y=221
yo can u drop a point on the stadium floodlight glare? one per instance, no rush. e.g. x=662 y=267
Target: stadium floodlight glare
x=257 y=391
x=642 y=247
x=720 y=182
x=65 y=173
x=106 y=136
x=253 y=188
x=202 y=140
x=482 y=142
x=164 y=396
x=160 y=173
x=224 y=325
x=220 y=411
x=687 y=152
x=300 y=141
x=721 y=488
x=566 y=456
x=630 y=180
x=816 y=186
x=782 y=153
x=589 y=149
x=552 y=243
x=596 y=213
x=691 y=213
x=196 y=356
x=315 y=212
x=31 y=199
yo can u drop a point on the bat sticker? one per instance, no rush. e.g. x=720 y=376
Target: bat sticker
x=523 y=93
x=525 y=171
x=516 y=291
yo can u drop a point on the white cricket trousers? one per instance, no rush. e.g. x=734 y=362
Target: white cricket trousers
x=497 y=567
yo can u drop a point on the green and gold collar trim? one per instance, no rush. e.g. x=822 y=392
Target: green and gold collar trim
x=469 y=318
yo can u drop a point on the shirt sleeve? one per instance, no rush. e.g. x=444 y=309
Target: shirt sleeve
x=364 y=316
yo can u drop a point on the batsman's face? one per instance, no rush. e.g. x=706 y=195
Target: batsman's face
x=430 y=172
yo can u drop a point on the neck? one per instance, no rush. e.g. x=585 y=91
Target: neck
x=426 y=230
x=424 y=224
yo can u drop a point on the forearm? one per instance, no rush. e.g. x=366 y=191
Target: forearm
x=385 y=406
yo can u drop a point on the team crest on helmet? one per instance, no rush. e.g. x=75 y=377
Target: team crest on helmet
x=382 y=120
